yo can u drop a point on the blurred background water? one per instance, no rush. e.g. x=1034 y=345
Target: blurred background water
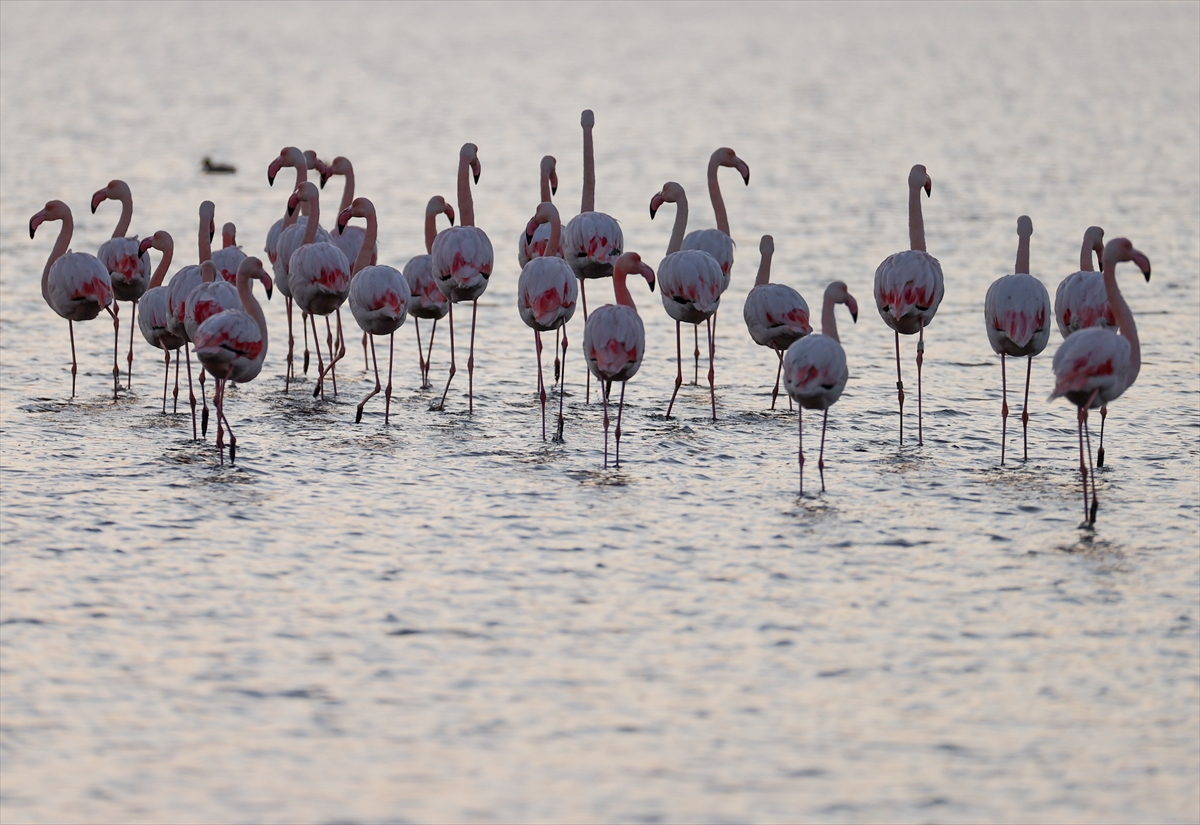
x=447 y=619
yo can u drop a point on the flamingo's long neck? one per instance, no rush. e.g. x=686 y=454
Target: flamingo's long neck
x=1090 y=242
x=126 y=215
x=159 y=274
x=916 y=223
x=681 y=217
x=228 y=238
x=714 y=193
x=546 y=194
x=314 y=217
x=60 y=247
x=828 y=321
x=431 y=214
x=588 y=202
x=466 y=205
x=555 y=234
x=253 y=309
x=764 y=269
x=301 y=177
x=368 y=244
x=348 y=190
x=1124 y=316
x=1022 y=254
x=621 y=290
x=205 y=238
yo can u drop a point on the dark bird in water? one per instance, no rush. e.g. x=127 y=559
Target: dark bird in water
x=217 y=168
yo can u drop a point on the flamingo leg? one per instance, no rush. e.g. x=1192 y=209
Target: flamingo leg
x=696 y=375
x=1003 y=409
x=74 y=362
x=429 y=355
x=175 y=392
x=778 y=373
x=1025 y=411
x=304 y=326
x=678 y=370
x=1100 y=452
x=319 y=389
x=604 y=399
x=420 y=352
x=800 y=433
x=366 y=362
x=441 y=405
x=471 y=361
x=116 y=346
x=333 y=351
x=217 y=404
x=537 y=339
x=204 y=401
x=387 y=396
x=821 y=458
x=712 y=388
x=900 y=388
x=562 y=387
x=557 y=365
x=713 y=345
x=191 y=393
x=372 y=393
x=129 y=358
x=287 y=372
x=1087 y=437
x=587 y=391
x=166 y=377
x=334 y=357
x=620 y=410
x=920 y=361
x=228 y=429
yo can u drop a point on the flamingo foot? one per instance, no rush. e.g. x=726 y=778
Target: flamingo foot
x=204 y=422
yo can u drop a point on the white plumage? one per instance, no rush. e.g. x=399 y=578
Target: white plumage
x=776 y=315
x=1091 y=359
x=128 y=274
x=379 y=299
x=153 y=320
x=591 y=244
x=79 y=287
x=207 y=300
x=462 y=262
x=546 y=293
x=536 y=248
x=350 y=241
x=1017 y=311
x=815 y=371
x=1080 y=302
x=427 y=299
x=178 y=289
x=614 y=341
x=319 y=277
x=227 y=260
x=908 y=289
x=231 y=346
x=690 y=282
x=289 y=241
x=715 y=243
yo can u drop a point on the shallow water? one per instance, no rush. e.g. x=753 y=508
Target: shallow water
x=448 y=619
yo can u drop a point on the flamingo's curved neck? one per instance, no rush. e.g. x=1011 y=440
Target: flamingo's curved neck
x=555 y=235
x=828 y=321
x=126 y=215
x=228 y=239
x=916 y=223
x=622 y=291
x=1085 y=254
x=314 y=217
x=60 y=247
x=718 y=201
x=588 y=202
x=1124 y=316
x=681 y=217
x=1022 y=254
x=764 y=270
x=430 y=228
x=205 y=239
x=348 y=191
x=253 y=309
x=368 y=244
x=546 y=194
x=159 y=274
x=207 y=274
x=466 y=205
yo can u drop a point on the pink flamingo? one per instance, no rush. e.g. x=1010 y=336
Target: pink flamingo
x=614 y=340
x=546 y=293
x=211 y=296
x=528 y=249
x=76 y=285
x=691 y=285
x=230 y=256
x=815 y=371
x=319 y=277
x=776 y=315
x=350 y=238
x=1080 y=302
x=379 y=296
x=154 y=317
x=1095 y=365
x=591 y=241
x=462 y=265
x=1017 y=312
x=178 y=289
x=716 y=242
x=427 y=299
x=130 y=274
x=232 y=345
x=908 y=289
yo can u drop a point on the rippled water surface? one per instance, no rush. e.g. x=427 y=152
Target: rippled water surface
x=447 y=619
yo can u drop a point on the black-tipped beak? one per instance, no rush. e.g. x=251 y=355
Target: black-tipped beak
x=1147 y=274
x=270 y=179
x=528 y=239
x=854 y=316
x=31 y=228
x=341 y=227
x=652 y=212
x=476 y=174
x=212 y=233
x=324 y=178
x=652 y=285
x=554 y=189
x=94 y=205
x=928 y=188
x=270 y=290
x=290 y=210
x=746 y=178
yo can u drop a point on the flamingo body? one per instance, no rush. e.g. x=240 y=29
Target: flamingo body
x=230 y=346
x=690 y=282
x=1080 y=302
x=379 y=299
x=546 y=293
x=776 y=315
x=350 y=240
x=153 y=320
x=591 y=243
x=79 y=288
x=289 y=241
x=319 y=276
x=715 y=243
x=1092 y=360
x=614 y=341
x=178 y=289
x=227 y=260
x=462 y=262
x=815 y=371
x=908 y=290
x=207 y=300
x=1017 y=310
x=536 y=248
x=427 y=299
x=128 y=273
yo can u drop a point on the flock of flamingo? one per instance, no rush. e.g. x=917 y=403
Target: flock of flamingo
x=211 y=305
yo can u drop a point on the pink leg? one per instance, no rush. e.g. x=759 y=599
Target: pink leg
x=441 y=405
x=1100 y=452
x=1003 y=409
x=204 y=412
x=217 y=404
x=778 y=373
x=1083 y=466
x=471 y=361
x=420 y=353
x=696 y=375
x=429 y=356
x=821 y=457
x=900 y=388
x=1025 y=411
x=387 y=396
x=304 y=326
x=562 y=387
x=372 y=393
x=587 y=392
x=116 y=346
x=319 y=389
x=166 y=377
x=800 y=433
x=678 y=370
x=334 y=356
x=712 y=388
x=604 y=399
x=287 y=371
x=920 y=361
x=228 y=429
x=620 y=410
x=1087 y=438
x=557 y=365
x=537 y=339
x=74 y=362
x=191 y=393
x=129 y=358
x=175 y=392
x=366 y=361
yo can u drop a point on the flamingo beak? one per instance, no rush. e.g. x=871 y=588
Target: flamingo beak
x=553 y=183
x=35 y=222
x=853 y=307
x=1143 y=263
x=342 y=220
x=450 y=213
x=1099 y=247
x=323 y=171
x=648 y=274
x=272 y=171
x=530 y=228
x=291 y=205
x=268 y=285
x=928 y=186
x=145 y=245
x=476 y=169
x=97 y=199
x=655 y=203
x=212 y=231
x=745 y=170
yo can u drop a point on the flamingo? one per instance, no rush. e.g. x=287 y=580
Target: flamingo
x=591 y=240
x=1095 y=365
x=908 y=289
x=211 y=296
x=76 y=285
x=427 y=299
x=178 y=289
x=1080 y=303
x=301 y=162
x=528 y=249
x=691 y=285
x=815 y=372
x=546 y=293
x=232 y=345
x=1017 y=312
x=350 y=238
x=230 y=256
x=154 y=317
x=379 y=296
x=462 y=265
x=614 y=339
x=129 y=273
x=776 y=315
x=319 y=277
x=717 y=242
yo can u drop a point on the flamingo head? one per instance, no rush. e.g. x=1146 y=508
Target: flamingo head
x=53 y=211
x=766 y=246
x=340 y=166
x=587 y=119
x=919 y=178
x=727 y=157
x=470 y=154
x=113 y=191
x=360 y=208
x=631 y=262
x=550 y=170
x=207 y=210
x=437 y=205
x=288 y=156
x=228 y=235
x=546 y=213
x=839 y=293
x=671 y=192
x=252 y=268
x=208 y=272
x=1024 y=227
x=304 y=192
x=160 y=240
x=1094 y=237
x=1121 y=249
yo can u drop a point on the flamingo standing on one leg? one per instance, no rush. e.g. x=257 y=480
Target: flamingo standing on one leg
x=130 y=274
x=614 y=340
x=591 y=240
x=427 y=299
x=350 y=238
x=546 y=293
x=716 y=242
x=155 y=314
x=462 y=265
x=229 y=257
x=1095 y=365
x=232 y=345
x=691 y=285
x=76 y=285
x=379 y=296
x=776 y=315
x=815 y=371
x=1017 y=312
x=908 y=289
x=319 y=277
x=178 y=289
